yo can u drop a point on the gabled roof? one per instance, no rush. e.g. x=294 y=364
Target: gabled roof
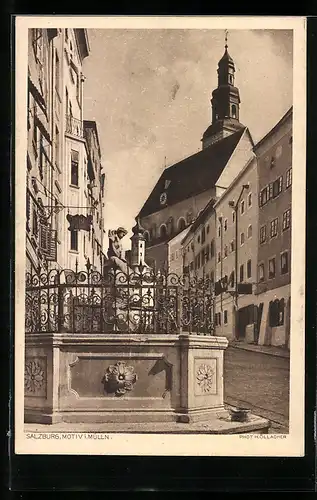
x=193 y=175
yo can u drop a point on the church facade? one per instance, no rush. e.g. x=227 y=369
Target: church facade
x=184 y=189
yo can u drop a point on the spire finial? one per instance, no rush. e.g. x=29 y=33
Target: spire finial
x=226 y=39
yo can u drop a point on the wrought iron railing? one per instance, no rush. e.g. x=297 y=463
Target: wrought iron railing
x=143 y=302
x=74 y=126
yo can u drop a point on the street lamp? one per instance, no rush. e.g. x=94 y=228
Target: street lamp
x=235 y=207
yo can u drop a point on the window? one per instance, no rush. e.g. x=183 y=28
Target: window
x=202 y=257
x=270 y=193
x=74 y=240
x=241 y=273
x=198 y=239
x=219 y=257
x=225 y=317
x=218 y=319
x=226 y=224
x=276 y=312
x=226 y=251
x=274 y=227
x=277 y=186
x=249 y=269
x=191 y=266
x=286 y=219
x=74 y=168
x=207 y=229
x=250 y=231
x=212 y=249
x=163 y=231
x=57 y=73
x=242 y=207
x=288 y=182
x=181 y=224
x=264 y=196
x=219 y=231
x=241 y=238
x=231 y=279
x=56 y=146
x=232 y=246
x=272 y=268
x=250 y=200
x=284 y=263
x=261 y=272
x=233 y=216
x=207 y=253
x=262 y=234
x=203 y=235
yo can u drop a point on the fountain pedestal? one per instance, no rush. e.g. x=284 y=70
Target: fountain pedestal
x=125 y=380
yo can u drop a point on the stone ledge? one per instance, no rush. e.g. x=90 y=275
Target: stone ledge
x=215 y=426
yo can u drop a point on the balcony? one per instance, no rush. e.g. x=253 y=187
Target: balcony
x=74 y=127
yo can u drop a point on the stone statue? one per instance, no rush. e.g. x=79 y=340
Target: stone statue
x=115 y=250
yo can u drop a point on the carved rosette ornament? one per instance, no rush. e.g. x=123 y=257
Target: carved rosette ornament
x=34 y=377
x=205 y=377
x=119 y=378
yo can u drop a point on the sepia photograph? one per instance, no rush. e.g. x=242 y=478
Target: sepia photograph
x=160 y=235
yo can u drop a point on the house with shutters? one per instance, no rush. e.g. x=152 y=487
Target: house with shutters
x=236 y=228
x=274 y=153
x=64 y=178
x=185 y=188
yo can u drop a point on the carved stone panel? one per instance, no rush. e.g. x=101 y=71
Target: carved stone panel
x=35 y=377
x=205 y=377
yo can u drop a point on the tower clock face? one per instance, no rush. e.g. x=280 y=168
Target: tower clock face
x=163 y=198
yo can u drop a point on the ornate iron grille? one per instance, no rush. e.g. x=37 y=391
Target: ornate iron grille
x=144 y=302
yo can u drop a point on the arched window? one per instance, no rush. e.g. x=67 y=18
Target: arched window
x=163 y=231
x=147 y=236
x=181 y=224
x=234 y=111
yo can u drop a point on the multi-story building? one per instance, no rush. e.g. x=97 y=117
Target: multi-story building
x=176 y=255
x=41 y=235
x=94 y=196
x=236 y=213
x=199 y=245
x=274 y=154
x=185 y=188
x=59 y=167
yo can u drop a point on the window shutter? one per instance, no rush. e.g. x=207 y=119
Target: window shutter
x=52 y=251
x=44 y=238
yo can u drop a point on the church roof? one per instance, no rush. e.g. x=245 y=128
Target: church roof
x=193 y=175
x=226 y=57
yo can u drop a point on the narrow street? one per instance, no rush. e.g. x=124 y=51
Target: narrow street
x=259 y=382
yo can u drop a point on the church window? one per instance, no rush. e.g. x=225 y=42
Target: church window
x=181 y=224
x=234 y=110
x=163 y=231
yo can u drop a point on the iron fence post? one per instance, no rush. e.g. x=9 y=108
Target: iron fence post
x=179 y=304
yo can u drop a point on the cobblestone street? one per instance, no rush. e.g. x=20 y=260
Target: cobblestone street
x=260 y=382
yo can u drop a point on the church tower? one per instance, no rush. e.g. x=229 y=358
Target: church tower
x=225 y=103
x=138 y=245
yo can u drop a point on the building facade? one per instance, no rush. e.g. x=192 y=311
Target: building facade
x=176 y=254
x=274 y=154
x=199 y=245
x=236 y=219
x=58 y=153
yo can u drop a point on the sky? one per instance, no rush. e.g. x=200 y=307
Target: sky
x=149 y=92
